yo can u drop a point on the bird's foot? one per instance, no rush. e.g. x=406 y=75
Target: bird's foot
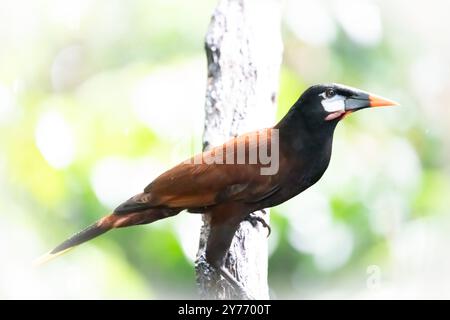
x=254 y=219
x=236 y=285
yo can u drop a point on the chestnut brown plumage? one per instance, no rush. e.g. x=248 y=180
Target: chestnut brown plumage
x=228 y=193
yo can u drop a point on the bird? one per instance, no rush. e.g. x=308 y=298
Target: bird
x=227 y=192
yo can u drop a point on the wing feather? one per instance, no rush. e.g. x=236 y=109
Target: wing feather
x=196 y=184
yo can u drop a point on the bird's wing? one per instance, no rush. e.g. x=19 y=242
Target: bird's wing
x=198 y=183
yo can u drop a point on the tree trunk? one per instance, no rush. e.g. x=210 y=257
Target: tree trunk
x=244 y=50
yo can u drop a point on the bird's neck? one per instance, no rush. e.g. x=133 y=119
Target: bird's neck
x=299 y=133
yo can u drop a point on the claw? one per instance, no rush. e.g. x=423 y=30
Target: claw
x=253 y=219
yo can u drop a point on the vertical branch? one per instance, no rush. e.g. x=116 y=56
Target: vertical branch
x=244 y=49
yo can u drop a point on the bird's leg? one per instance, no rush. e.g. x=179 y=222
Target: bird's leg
x=254 y=219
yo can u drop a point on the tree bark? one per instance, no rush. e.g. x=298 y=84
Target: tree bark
x=244 y=50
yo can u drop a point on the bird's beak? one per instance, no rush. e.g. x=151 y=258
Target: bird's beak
x=361 y=100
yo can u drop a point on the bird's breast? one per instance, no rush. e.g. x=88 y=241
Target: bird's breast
x=302 y=173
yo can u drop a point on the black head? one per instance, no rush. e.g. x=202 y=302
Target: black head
x=326 y=104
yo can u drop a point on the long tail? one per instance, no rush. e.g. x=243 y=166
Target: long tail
x=94 y=230
x=128 y=214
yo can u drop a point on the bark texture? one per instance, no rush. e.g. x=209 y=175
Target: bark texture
x=244 y=50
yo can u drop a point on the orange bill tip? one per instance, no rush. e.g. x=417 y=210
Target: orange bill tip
x=377 y=101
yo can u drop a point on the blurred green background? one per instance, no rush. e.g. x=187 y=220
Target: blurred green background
x=99 y=97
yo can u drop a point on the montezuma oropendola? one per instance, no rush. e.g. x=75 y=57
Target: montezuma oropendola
x=229 y=193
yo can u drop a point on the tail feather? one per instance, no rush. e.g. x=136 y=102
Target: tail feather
x=84 y=235
x=48 y=257
x=115 y=220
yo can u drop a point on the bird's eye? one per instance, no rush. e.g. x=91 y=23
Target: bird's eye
x=330 y=93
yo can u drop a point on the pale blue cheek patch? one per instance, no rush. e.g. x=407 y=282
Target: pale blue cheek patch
x=336 y=103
